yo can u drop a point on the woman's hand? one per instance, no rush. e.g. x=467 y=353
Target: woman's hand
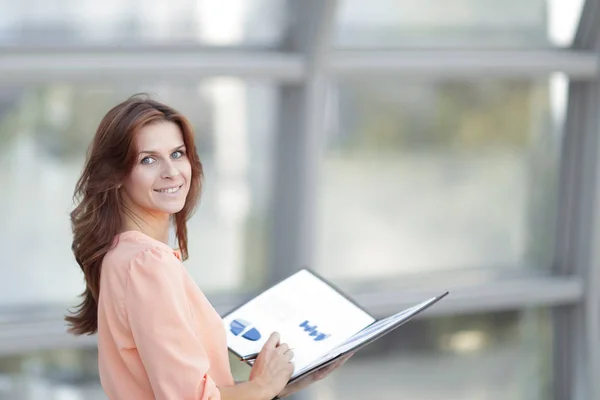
x=314 y=377
x=273 y=368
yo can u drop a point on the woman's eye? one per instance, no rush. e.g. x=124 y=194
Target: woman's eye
x=147 y=160
x=177 y=154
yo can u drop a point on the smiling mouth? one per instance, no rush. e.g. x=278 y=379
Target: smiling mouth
x=173 y=189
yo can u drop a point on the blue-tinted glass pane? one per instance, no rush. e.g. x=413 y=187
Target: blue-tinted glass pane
x=446 y=175
x=457 y=23
x=259 y=23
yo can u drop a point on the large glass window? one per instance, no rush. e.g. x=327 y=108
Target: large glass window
x=44 y=134
x=444 y=175
x=256 y=23
x=52 y=374
x=456 y=23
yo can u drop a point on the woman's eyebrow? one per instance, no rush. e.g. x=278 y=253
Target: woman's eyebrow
x=155 y=152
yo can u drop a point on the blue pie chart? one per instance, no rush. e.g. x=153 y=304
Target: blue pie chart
x=245 y=329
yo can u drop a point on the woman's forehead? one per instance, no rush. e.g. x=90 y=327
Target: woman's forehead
x=159 y=137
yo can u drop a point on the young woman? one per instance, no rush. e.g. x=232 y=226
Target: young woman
x=158 y=336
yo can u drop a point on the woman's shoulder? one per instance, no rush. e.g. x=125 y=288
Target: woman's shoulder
x=135 y=252
x=131 y=245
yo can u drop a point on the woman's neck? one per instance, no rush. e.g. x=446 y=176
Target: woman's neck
x=153 y=225
x=156 y=232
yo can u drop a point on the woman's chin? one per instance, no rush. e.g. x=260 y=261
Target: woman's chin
x=169 y=209
x=174 y=210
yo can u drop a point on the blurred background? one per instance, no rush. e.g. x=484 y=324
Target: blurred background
x=399 y=148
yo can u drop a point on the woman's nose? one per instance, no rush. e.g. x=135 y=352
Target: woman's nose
x=169 y=170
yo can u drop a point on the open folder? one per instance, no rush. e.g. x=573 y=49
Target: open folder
x=314 y=318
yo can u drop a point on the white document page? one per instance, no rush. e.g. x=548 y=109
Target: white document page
x=311 y=317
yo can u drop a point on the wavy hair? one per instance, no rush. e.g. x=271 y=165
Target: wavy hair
x=98 y=215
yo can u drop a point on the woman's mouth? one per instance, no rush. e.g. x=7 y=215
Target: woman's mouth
x=169 y=190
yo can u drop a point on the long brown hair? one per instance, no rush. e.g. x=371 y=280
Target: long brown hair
x=97 y=217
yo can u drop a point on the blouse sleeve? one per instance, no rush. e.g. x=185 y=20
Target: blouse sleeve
x=159 y=317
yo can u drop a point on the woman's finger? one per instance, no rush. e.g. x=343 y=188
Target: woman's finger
x=289 y=354
x=273 y=340
x=282 y=348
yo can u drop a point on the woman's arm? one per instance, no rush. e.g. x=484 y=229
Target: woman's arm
x=157 y=310
x=270 y=373
x=244 y=391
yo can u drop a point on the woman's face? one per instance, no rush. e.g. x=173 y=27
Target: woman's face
x=160 y=180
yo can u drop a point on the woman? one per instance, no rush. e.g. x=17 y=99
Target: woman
x=158 y=336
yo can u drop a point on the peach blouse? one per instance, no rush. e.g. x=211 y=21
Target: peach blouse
x=158 y=336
